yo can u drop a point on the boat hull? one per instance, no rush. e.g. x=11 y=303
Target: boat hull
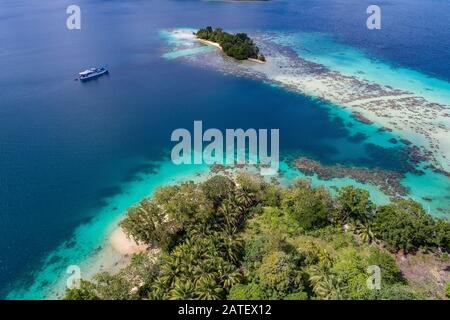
x=93 y=76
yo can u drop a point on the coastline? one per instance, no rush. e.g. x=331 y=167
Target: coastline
x=218 y=46
x=114 y=259
x=77 y=156
x=125 y=245
x=426 y=267
x=89 y=247
x=114 y=249
x=209 y=43
x=410 y=115
x=391 y=117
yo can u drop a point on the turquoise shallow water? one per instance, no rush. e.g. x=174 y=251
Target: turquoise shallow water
x=174 y=41
x=430 y=189
x=88 y=239
x=430 y=185
x=186 y=52
x=326 y=50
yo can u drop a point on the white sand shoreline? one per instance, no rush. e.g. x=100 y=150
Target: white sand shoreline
x=124 y=244
x=218 y=46
x=209 y=43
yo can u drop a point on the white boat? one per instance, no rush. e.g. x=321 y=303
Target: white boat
x=92 y=73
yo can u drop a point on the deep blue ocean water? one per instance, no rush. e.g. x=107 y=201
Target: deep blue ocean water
x=66 y=147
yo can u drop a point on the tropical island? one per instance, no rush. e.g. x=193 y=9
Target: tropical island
x=238 y=46
x=242 y=237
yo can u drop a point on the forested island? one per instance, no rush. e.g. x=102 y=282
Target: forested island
x=238 y=46
x=244 y=238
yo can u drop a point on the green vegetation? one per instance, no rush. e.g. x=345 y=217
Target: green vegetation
x=238 y=46
x=249 y=239
x=447 y=289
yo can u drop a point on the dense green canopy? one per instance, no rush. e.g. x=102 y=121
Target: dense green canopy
x=238 y=46
x=245 y=238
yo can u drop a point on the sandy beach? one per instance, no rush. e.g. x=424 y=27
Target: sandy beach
x=125 y=245
x=209 y=43
x=215 y=44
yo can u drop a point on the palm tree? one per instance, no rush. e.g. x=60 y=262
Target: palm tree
x=158 y=289
x=208 y=289
x=325 y=284
x=228 y=213
x=231 y=248
x=182 y=290
x=364 y=231
x=199 y=231
x=171 y=269
x=244 y=198
x=229 y=230
x=230 y=278
x=324 y=257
